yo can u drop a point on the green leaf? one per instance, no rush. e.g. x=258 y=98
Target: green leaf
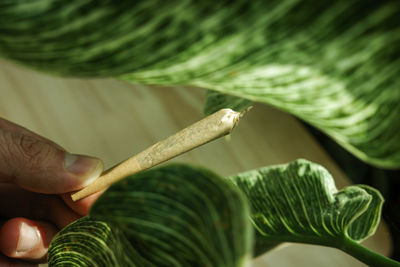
x=298 y=202
x=216 y=101
x=186 y=216
x=365 y=225
x=334 y=64
x=89 y=242
x=170 y=216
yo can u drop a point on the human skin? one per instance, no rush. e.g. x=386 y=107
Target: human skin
x=36 y=176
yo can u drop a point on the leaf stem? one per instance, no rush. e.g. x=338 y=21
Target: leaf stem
x=366 y=255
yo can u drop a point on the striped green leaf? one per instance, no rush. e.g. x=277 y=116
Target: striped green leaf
x=185 y=216
x=298 y=202
x=90 y=242
x=334 y=64
x=170 y=216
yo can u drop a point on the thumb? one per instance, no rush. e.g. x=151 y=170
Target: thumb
x=43 y=167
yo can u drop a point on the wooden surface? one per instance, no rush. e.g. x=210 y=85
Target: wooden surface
x=113 y=120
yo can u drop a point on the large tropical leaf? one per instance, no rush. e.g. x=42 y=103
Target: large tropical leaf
x=334 y=64
x=170 y=216
x=298 y=202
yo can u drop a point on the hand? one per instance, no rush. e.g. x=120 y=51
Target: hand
x=35 y=176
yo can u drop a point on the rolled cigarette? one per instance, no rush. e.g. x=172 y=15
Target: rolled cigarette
x=210 y=128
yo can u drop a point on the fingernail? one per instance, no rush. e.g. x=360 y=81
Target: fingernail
x=29 y=238
x=87 y=168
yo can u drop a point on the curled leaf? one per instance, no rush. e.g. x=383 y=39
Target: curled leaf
x=170 y=216
x=299 y=202
x=89 y=242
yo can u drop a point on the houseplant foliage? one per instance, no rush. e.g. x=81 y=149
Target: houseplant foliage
x=334 y=64
x=216 y=101
x=180 y=215
x=171 y=216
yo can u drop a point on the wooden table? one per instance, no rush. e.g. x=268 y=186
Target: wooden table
x=113 y=120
